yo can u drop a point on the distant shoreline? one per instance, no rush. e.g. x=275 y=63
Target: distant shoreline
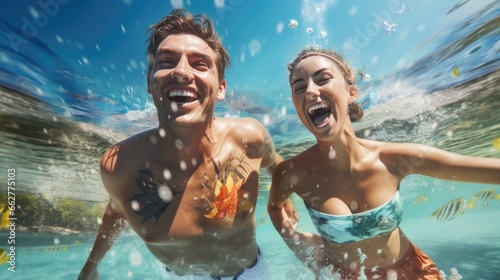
x=46 y=230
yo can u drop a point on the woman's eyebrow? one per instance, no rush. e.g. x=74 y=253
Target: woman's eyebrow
x=318 y=72
x=297 y=80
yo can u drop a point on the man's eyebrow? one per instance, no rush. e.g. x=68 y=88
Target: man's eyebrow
x=193 y=54
x=165 y=51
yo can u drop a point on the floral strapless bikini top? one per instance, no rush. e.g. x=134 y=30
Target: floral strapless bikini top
x=359 y=226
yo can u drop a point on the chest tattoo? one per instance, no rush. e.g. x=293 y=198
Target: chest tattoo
x=224 y=191
x=153 y=197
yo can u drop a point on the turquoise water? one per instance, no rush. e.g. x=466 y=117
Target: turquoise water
x=433 y=81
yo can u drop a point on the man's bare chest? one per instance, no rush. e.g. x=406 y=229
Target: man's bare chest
x=211 y=194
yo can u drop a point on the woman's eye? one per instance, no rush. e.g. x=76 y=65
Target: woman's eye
x=323 y=80
x=299 y=89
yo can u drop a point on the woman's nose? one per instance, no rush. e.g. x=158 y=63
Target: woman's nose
x=312 y=91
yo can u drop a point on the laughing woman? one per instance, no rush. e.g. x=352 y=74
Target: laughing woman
x=350 y=186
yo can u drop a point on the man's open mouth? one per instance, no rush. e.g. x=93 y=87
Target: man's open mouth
x=319 y=113
x=182 y=96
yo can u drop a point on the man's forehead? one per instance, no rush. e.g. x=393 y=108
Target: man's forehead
x=185 y=43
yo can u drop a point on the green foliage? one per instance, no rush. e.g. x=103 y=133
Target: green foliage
x=36 y=210
x=80 y=215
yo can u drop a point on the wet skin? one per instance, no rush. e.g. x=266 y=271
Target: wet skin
x=207 y=227
x=342 y=174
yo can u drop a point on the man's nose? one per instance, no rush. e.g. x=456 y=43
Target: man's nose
x=182 y=71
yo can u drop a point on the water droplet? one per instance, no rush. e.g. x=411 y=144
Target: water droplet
x=56 y=241
x=162 y=132
x=178 y=144
x=153 y=139
x=283 y=111
x=266 y=120
x=332 y=153
x=174 y=106
x=135 y=258
x=279 y=27
x=353 y=205
x=165 y=193
x=183 y=165
x=135 y=205
x=254 y=47
x=59 y=39
x=293 y=23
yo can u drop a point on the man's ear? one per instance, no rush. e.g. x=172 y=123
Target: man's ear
x=149 y=87
x=221 y=93
x=150 y=68
x=353 y=93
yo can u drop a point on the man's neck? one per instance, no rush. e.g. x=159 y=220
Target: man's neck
x=186 y=142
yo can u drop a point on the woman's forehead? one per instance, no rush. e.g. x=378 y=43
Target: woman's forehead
x=312 y=64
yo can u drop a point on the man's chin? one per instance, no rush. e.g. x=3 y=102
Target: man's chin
x=189 y=120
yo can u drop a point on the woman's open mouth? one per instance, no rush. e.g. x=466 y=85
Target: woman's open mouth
x=319 y=113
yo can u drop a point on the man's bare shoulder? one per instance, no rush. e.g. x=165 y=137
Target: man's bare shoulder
x=243 y=124
x=252 y=136
x=248 y=129
x=120 y=162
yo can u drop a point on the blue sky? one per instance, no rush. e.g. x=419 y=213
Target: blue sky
x=107 y=38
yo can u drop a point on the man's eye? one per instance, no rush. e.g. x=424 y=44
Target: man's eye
x=201 y=65
x=166 y=63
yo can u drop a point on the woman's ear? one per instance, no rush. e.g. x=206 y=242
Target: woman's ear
x=353 y=93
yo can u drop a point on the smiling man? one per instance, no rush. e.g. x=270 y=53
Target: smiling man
x=189 y=187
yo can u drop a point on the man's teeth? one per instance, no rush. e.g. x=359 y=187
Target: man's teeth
x=316 y=107
x=181 y=93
